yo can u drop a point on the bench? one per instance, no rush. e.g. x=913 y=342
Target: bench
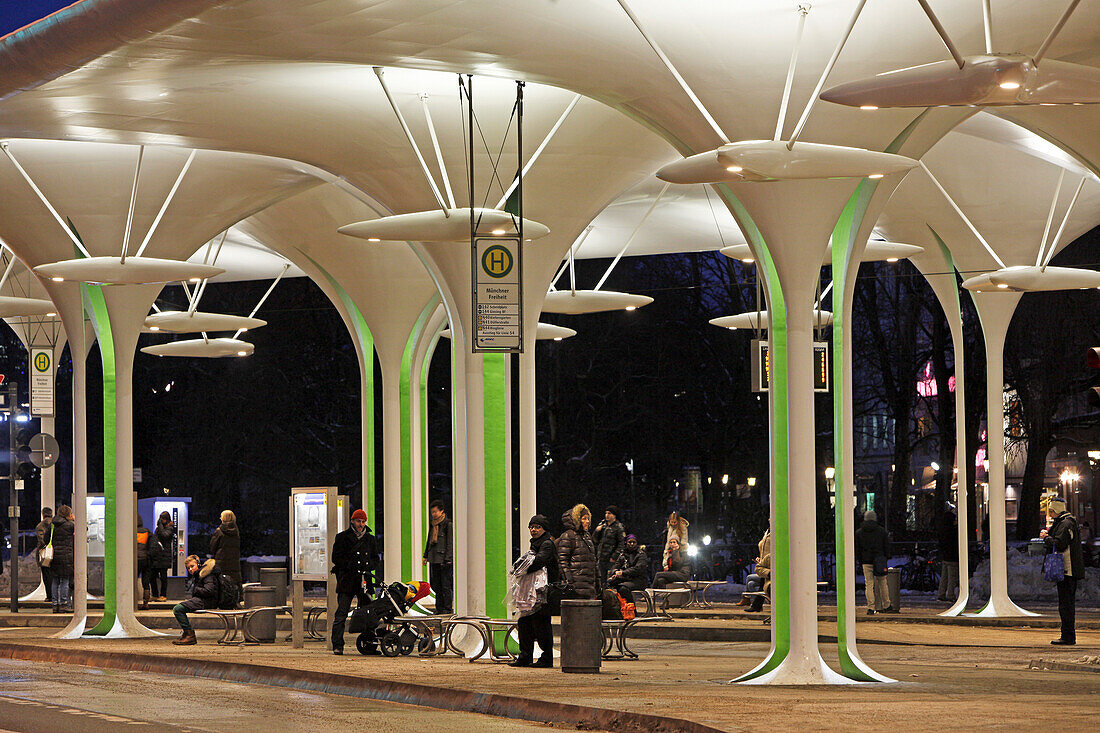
x=615 y=633
x=312 y=621
x=238 y=621
x=431 y=632
x=699 y=590
x=659 y=597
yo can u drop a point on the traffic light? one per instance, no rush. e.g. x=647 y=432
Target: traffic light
x=1093 y=359
x=24 y=467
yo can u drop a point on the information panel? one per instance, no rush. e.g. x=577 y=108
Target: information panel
x=761 y=367
x=95 y=510
x=498 y=295
x=42 y=382
x=309 y=540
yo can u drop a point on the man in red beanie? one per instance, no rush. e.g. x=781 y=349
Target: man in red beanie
x=354 y=559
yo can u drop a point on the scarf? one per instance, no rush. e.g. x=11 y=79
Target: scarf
x=435 y=529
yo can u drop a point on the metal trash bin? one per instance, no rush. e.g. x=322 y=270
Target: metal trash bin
x=581 y=637
x=262 y=625
x=893 y=587
x=275 y=578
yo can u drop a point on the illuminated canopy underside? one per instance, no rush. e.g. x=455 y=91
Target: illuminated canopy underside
x=198 y=322
x=200 y=348
x=135 y=271
x=437 y=226
x=761 y=320
x=576 y=302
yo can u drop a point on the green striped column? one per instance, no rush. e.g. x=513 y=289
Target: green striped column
x=496 y=402
x=96 y=307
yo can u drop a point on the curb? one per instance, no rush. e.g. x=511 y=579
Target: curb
x=502 y=706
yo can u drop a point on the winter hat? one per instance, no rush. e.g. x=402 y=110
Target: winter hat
x=359 y=514
x=614 y=510
x=870 y=516
x=1057 y=504
x=540 y=520
x=630 y=537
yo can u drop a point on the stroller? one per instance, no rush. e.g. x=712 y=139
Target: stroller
x=374 y=622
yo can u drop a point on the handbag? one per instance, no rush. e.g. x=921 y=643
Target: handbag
x=627 y=609
x=1054 y=567
x=45 y=555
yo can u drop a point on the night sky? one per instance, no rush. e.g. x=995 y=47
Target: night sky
x=15 y=14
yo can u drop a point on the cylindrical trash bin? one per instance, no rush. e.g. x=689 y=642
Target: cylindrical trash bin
x=893 y=587
x=581 y=638
x=262 y=624
x=275 y=578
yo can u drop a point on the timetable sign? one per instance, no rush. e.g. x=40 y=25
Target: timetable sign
x=498 y=295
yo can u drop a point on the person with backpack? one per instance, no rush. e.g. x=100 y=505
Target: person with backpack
x=202 y=583
x=63 y=565
x=162 y=548
x=631 y=570
x=145 y=573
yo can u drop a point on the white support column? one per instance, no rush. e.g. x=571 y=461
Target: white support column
x=391 y=469
x=474 y=426
x=422 y=357
x=995 y=311
x=459 y=450
x=528 y=432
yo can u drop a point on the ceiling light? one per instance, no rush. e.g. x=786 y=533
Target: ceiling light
x=891 y=259
x=632 y=307
x=557 y=338
x=748 y=260
x=58 y=279
x=1009 y=85
x=875 y=175
x=194 y=279
x=734 y=168
x=498 y=232
x=154 y=328
x=373 y=239
x=51 y=315
x=868 y=106
x=242 y=353
x=1002 y=286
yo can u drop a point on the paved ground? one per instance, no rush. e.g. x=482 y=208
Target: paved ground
x=957 y=677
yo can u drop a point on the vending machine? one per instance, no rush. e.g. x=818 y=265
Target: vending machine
x=177 y=507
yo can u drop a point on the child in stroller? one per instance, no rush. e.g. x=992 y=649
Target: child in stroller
x=374 y=621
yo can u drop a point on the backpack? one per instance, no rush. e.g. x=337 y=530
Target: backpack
x=227 y=592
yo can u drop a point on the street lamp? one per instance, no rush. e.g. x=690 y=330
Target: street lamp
x=830 y=484
x=752 y=481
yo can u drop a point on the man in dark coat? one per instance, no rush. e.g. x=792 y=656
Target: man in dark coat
x=439 y=556
x=577 y=553
x=536 y=627
x=948 y=545
x=225 y=548
x=631 y=570
x=610 y=540
x=872 y=549
x=354 y=560
x=42 y=532
x=64 y=558
x=1064 y=537
x=203 y=586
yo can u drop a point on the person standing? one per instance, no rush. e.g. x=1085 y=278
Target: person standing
x=203 y=586
x=64 y=558
x=439 y=557
x=610 y=537
x=872 y=551
x=354 y=560
x=162 y=548
x=536 y=627
x=225 y=548
x=949 y=556
x=42 y=532
x=1064 y=537
x=677 y=528
x=141 y=542
x=577 y=553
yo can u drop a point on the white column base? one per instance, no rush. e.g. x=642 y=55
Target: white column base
x=135 y=630
x=810 y=670
x=1002 y=607
x=74 y=630
x=38 y=594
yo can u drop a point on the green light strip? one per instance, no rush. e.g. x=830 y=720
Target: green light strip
x=96 y=306
x=366 y=347
x=495 y=405
x=408 y=552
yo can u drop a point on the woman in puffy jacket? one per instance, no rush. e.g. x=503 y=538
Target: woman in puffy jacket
x=577 y=553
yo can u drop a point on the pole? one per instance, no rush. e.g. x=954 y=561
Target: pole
x=13 y=498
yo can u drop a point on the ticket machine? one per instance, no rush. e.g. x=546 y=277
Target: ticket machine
x=177 y=507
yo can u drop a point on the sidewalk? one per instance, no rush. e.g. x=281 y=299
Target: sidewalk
x=952 y=678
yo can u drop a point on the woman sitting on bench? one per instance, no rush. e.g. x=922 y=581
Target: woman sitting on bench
x=677 y=568
x=760 y=581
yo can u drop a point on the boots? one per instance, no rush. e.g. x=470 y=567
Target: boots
x=745 y=600
x=146 y=596
x=187 y=638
